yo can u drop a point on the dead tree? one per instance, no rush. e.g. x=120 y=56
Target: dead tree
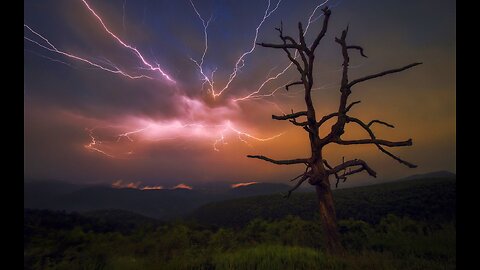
x=318 y=170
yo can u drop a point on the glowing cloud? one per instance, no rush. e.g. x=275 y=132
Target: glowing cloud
x=243 y=184
x=152 y=188
x=182 y=186
x=122 y=184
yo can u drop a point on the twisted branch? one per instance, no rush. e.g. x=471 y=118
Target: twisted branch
x=289 y=116
x=352 y=83
x=282 y=162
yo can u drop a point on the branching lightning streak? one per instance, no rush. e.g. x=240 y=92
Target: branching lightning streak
x=127 y=134
x=54 y=49
x=205 y=35
x=51 y=59
x=254 y=43
x=220 y=137
x=94 y=142
x=139 y=55
x=240 y=63
x=254 y=93
x=229 y=126
x=271 y=93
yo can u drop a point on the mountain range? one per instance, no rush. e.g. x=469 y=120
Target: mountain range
x=165 y=204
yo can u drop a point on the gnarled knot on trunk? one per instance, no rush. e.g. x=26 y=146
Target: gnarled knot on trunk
x=316 y=179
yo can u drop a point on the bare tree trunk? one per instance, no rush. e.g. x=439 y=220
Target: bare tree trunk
x=328 y=218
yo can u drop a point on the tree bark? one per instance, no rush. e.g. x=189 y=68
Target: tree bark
x=328 y=218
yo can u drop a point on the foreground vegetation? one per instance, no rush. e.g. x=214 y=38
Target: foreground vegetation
x=404 y=225
x=289 y=243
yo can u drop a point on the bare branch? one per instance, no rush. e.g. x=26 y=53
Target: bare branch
x=298 y=184
x=279 y=46
x=339 y=177
x=297 y=64
x=352 y=83
x=350 y=172
x=375 y=141
x=282 y=162
x=380 y=122
x=351 y=163
x=346 y=59
x=301 y=124
x=302 y=174
x=357 y=48
x=335 y=173
x=301 y=36
x=293 y=179
x=327 y=165
x=293 y=44
x=289 y=116
x=326 y=118
x=351 y=105
x=286 y=46
x=292 y=84
x=379 y=146
x=327 y=14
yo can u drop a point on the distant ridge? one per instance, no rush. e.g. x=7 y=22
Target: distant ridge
x=260 y=189
x=432 y=199
x=161 y=204
x=436 y=174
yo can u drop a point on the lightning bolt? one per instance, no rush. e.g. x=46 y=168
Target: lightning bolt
x=220 y=139
x=229 y=126
x=271 y=94
x=272 y=78
x=240 y=63
x=205 y=36
x=54 y=49
x=93 y=144
x=177 y=127
x=51 y=59
x=124 y=44
x=127 y=134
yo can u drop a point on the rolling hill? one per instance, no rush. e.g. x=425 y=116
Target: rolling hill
x=432 y=199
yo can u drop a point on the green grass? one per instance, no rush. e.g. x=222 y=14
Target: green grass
x=264 y=257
